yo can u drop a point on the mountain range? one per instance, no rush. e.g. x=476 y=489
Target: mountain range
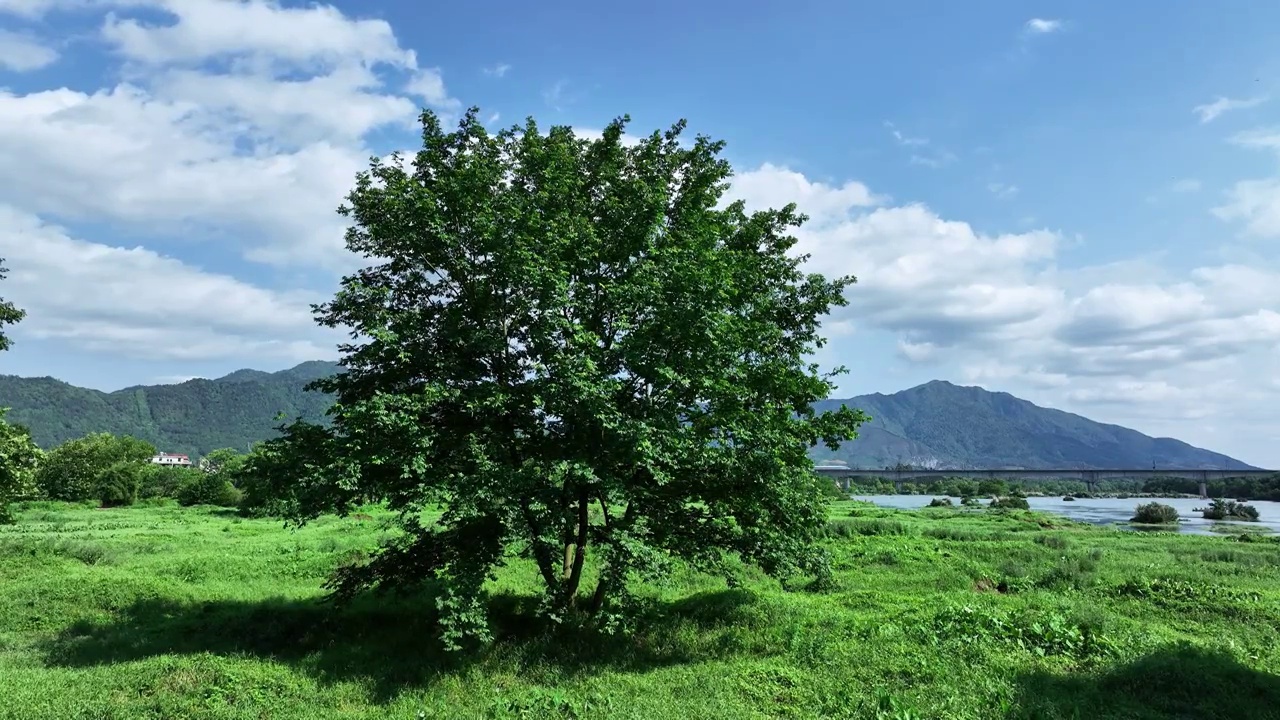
x=937 y=424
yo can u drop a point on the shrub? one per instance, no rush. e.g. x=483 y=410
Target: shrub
x=831 y=490
x=1012 y=502
x=158 y=481
x=71 y=470
x=1057 y=542
x=969 y=500
x=1154 y=513
x=940 y=502
x=209 y=489
x=1229 y=510
x=850 y=528
x=118 y=484
x=1068 y=498
x=1072 y=572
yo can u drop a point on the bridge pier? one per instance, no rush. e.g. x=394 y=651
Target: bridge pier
x=1204 y=490
x=897 y=486
x=1090 y=478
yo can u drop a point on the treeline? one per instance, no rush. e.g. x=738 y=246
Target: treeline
x=116 y=470
x=1264 y=488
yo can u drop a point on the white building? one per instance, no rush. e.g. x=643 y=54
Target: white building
x=171 y=459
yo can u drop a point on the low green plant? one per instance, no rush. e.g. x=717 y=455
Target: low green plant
x=1154 y=513
x=1010 y=502
x=1057 y=542
x=870 y=526
x=1221 y=509
x=940 y=502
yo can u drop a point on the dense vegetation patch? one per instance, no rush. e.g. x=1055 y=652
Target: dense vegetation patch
x=1154 y=513
x=1221 y=509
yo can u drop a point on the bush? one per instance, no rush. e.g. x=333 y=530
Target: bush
x=209 y=489
x=1154 y=513
x=1229 y=510
x=969 y=500
x=158 y=481
x=1012 y=502
x=1068 y=498
x=829 y=489
x=992 y=488
x=940 y=502
x=70 y=471
x=118 y=484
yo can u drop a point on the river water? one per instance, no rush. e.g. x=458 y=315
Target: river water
x=1109 y=511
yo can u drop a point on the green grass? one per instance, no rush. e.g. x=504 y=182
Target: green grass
x=166 y=612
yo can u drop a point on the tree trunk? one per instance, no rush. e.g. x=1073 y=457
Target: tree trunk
x=541 y=552
x=580 y=550
x=598 y=597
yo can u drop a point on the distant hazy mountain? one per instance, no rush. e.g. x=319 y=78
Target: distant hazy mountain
x=936 y=424
x=951 y=426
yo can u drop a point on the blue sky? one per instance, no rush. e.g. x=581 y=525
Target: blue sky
x=1077 y=203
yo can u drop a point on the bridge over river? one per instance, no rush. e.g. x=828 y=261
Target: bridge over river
x=843 y=475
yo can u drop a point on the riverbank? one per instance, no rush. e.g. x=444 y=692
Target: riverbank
x=1116 y=512
x=946 y=613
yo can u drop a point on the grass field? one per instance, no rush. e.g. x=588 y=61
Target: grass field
x=169 y=612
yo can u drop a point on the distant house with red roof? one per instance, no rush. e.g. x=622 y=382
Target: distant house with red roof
x=171 y=459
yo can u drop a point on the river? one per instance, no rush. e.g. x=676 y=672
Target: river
x=1109 y=511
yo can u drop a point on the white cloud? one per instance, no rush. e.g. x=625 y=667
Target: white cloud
x=315 y=37
x=498 y=70
x=137 y=302
x=165 y=167
x=1001 y=190
x=1211 y=111
x=428 y=84
x=997 y=307
x=936 y=160
x=1260 y=138
x=23 y=53
x=905 y=140
x=556 y=95
x=1256 y=202
x=826 y=203
x=1041 y=26
x=238 y=124
x=264 y=148
x=917 y=352
x=922 y=152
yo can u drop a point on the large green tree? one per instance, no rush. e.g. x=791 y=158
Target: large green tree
x=19 y=458
x=580 y=351
x=19 y=455
x=9 y=313
x=71 y=471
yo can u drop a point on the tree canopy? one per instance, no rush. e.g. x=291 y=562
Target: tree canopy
x=9 y=313
x=72 y=470
x=580 y=351
x=19 y=455
x=19 y=458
